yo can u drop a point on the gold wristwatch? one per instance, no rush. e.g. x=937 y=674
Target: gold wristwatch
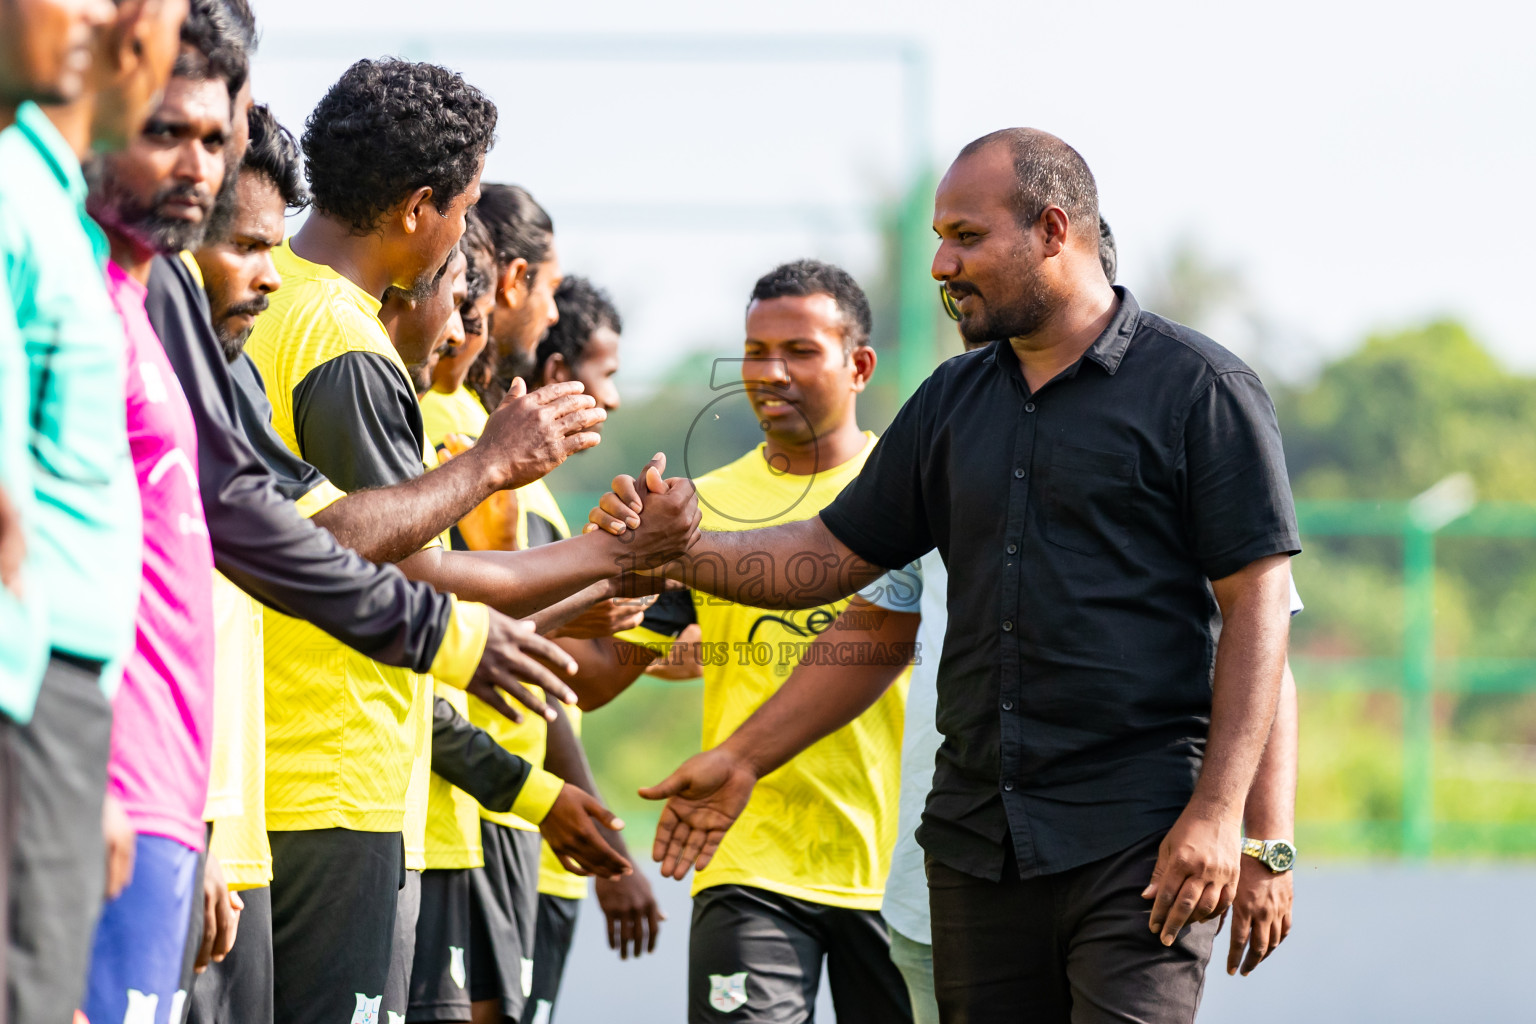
x=1275 y=854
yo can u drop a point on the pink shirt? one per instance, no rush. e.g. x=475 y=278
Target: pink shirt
x=162 y=724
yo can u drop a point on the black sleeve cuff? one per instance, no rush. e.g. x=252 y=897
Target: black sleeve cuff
x=466 y=756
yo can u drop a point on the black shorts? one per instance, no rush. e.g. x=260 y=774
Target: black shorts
x=58 y=764
x=440 y=975
x=238 y=989
x=551 y=948
x=1073 y=946
x=504 y=908
x=755 y=955
x=334 y=897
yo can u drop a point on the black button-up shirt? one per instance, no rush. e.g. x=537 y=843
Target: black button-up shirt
x=1080 y=524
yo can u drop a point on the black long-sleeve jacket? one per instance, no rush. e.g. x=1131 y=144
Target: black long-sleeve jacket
x=260 y=541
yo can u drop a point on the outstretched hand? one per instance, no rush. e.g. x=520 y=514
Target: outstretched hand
x=530 y=433
x=704 y=798
x=515 y=653
x=605 y=618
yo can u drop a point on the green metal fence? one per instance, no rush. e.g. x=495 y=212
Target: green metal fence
x=1417 y=675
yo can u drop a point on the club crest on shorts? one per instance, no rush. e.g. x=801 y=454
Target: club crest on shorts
x=141 y=1007
x=728 y=992
x=456 y=965
x=367 y=1011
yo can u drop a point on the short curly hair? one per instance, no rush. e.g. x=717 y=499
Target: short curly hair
x=813 y=277
x=216 y=42
x=273 y=153
x=584 y=307
x=388 y=127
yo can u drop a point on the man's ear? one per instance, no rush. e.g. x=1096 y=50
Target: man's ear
x=555 y=370
x=415 y=207
x=512 y=284
x=122 y=41
x=1053 y=226
x=863 y=366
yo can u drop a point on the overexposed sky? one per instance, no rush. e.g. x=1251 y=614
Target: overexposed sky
x=1362 y=165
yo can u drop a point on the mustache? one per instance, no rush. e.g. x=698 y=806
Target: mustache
x=758 y=390
x=198 y=194
x=252 y=307
x=958 y=289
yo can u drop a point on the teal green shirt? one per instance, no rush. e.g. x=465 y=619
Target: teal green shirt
x=86 y=532
x=23 y=641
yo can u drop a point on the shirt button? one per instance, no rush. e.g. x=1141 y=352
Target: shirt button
x=1013 y=549
x=1007 y=705
x=1008 y=787
x=1029 y=406
x=1018 y=474
x=1007 y=625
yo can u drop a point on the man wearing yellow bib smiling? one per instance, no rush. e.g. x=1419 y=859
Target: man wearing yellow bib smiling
x=800 y=877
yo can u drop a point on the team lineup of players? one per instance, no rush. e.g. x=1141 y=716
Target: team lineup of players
x=295 y=639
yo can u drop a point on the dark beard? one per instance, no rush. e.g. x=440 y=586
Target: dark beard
x=233 y=344
x=142 y=223
x=514 y=364
x=421 y=377
x=1023 y=318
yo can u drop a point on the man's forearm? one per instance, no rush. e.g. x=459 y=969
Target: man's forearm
x=1250 y=660
x=387 y=524
x=605 y=668
x=519 y=583
x=1270 y=812
x=796 y=565
x=552 y=617
x=821 y=695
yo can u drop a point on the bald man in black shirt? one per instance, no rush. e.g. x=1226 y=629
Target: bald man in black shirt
x=1099 y=481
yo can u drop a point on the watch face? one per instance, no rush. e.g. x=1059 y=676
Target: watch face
x=1281 y=856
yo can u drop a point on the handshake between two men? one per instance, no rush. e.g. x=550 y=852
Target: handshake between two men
x=584 y=586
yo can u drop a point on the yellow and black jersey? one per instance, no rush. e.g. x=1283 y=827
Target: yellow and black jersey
x=822 y=827
x=345 y=734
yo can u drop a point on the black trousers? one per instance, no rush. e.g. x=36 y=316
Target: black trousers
x=1068 y=948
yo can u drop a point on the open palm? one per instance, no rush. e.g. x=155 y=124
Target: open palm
x=704 y=797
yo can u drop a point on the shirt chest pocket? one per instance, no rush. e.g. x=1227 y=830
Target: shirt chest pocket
x=1088 y=497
